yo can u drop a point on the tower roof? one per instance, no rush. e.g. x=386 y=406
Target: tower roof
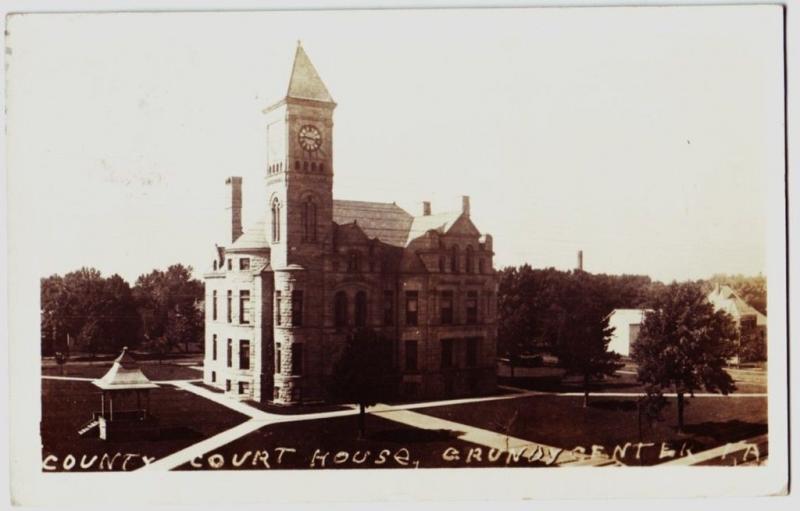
x=305 y=82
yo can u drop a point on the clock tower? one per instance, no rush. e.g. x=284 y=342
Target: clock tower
x=300 y=169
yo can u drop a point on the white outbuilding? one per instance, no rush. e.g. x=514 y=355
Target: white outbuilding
x=626 y=323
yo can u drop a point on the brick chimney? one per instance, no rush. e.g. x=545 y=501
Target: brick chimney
x=426 y=208
x=465 y=205
x=235 y=206
x=580 y=260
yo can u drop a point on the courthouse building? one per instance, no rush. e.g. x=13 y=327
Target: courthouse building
x=283 y=296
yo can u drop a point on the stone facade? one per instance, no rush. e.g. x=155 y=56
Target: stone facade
x=283 y=296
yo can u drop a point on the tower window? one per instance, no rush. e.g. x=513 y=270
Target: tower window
x=244 y=307
x=446 y=307
x=412 y=308
x=388 y=308
x=277 y=307
x=472 y=307
x=214 y=305
x=361 y=309
x=309 y=220
x=276 y=221
x=244 y=354
x=277 y=358
x=297 y=308
x=340 y=309
x=470 y=260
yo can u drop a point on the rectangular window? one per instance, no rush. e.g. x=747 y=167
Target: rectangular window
x=229 y=359
x=297 y=359
x=447 y=353
x=412 y=308
x=277 y=307
x=214 y=347
x=214 y=305
x=472 y=307
x=244 y=354
x=230 y=264
x=228 y=385
x=244 y=307
x=388 y=308
x=473 y=345
x=244 y=263
x=411 y=355
x=230 y=306
x=297 y=308
x=277 y=358
x=213 y=376
x=446 y=307
x=244 y=387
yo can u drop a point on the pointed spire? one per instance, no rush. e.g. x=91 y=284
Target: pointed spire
x=304 y=82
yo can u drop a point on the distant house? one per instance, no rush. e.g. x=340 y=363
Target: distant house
x=747 y=318
x=626 y=323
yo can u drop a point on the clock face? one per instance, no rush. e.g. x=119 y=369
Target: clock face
x=310 y=138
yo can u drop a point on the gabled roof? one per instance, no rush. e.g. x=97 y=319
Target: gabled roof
x=254 y=238
x=305 y=82
x=440 y=222
x=386 y=221
x=125 y=374
x=725 y=298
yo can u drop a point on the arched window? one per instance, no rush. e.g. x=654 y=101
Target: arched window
x=454 y=259
x=276 y=220
x=361 y=309
x=340 y=309
x=309 y=220
x=470 y=260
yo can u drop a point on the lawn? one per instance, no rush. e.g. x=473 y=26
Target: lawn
x=334 y=443
x=562 y=421
x=153 y=370
x=67 y=405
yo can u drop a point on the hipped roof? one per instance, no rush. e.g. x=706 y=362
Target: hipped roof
x=125 y=374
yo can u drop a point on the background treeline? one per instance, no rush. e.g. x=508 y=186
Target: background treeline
x=538 y=307
x=83 y=311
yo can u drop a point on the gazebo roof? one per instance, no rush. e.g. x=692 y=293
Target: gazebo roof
x=125 y=374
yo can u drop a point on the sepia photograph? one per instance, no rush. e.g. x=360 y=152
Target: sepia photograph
x=268 y=244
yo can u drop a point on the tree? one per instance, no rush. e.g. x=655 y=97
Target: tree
x=683 y=345
x=364 y=374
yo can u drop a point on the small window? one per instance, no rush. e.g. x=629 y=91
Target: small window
x=215 y=264
x=297 y=165
x=354 y=261
x=297 y=359
x=230 y=306
x=446 y=307
x=244 y=263
x=361 y=309
x=470 y=260
x=229 y=353
x=277 y=308
x=472 y=307
x=442 y=264
x=305 y=166
x=276 y=220
x=230 y=263
x=227 y=385
x=214 y=305
x=481 y=266
x=412 y=308
x=297 y=308
x=244 y=387
x=277 y=358
x=454 y=259
x=411 y=355
x=388 y=308
x=322 y=167
x=447 y=353
x=244 y=354
x=213 y=376
x=313 y=167
x=244 y=307
x=340 y=309
x=214 y=347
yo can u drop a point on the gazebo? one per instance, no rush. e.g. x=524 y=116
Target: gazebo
x=117 y=418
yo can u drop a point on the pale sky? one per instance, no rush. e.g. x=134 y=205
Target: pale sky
x=647 y=137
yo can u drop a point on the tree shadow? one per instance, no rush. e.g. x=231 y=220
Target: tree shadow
x=728 y=431
x=414 y=435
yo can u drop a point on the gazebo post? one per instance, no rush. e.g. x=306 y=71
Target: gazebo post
x=111 y=405
x=103 y=403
